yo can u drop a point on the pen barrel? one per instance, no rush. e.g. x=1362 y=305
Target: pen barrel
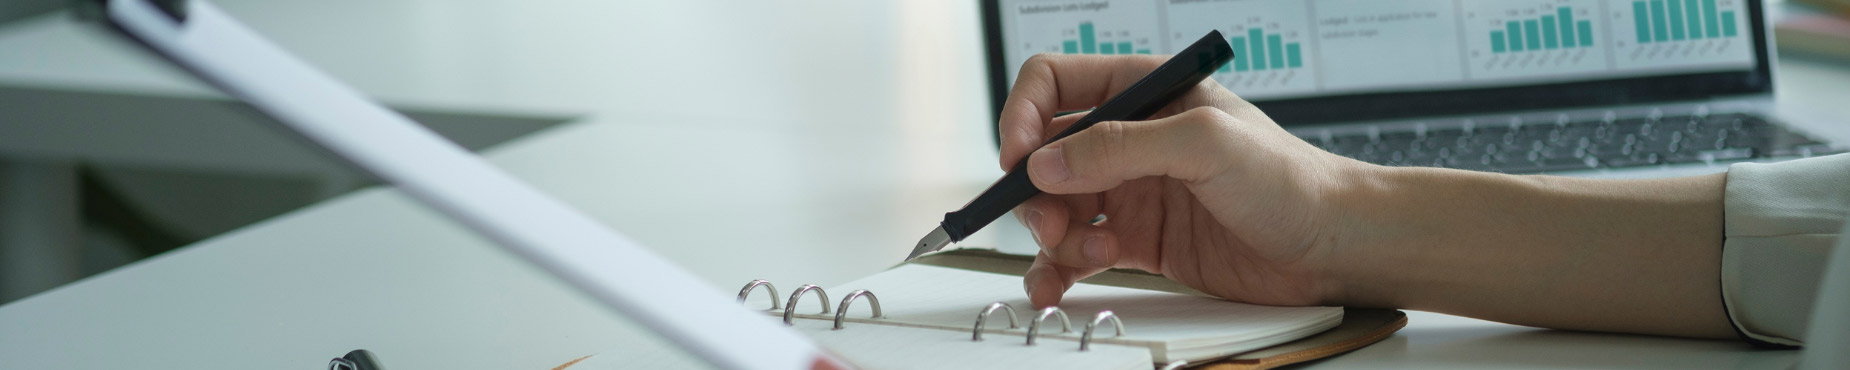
x=1139 y=101
x=1013 y=189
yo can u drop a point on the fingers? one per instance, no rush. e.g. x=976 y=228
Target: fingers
x=1071 y=248
x=1183 y=146
x=1046 y=281
x=1054 y=126
x=1045 y=217
x=1084 y=245
x=1048 y=84
x=1061 y=226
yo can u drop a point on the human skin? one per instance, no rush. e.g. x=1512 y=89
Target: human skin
x=1215 y=195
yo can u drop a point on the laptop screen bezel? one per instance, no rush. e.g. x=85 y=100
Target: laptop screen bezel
x=1406 y=104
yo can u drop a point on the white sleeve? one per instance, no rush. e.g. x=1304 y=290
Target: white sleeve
x=1782 y=220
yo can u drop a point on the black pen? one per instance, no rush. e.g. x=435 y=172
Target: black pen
x=1168 y=82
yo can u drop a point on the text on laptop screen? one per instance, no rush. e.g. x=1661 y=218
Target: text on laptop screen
x=1309 y=48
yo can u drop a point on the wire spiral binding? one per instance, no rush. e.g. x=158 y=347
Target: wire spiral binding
x=1034 y=327
x=976 y=332
x=790 y=312
x=841 y=310
x=976 y=335
x=1085 y=340
x=747 y=291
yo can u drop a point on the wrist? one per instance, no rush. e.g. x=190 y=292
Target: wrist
x=1378 y=232
x=1350 y=231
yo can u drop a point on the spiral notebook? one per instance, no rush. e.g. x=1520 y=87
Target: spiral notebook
x=928 y=318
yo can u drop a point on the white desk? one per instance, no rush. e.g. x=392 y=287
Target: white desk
x=796 y=151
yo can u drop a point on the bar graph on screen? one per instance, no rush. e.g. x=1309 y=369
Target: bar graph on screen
x=1264 y=50
x=1108 y=27
x=1558 y=30
x=1650 y=33
x=1086 y=39
x=1657 y=21
x=1514 y=39
x=1271 y=42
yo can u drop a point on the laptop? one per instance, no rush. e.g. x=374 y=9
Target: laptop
x=1596 y=88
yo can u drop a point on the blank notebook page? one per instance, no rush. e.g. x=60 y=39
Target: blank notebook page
x=1173 y=326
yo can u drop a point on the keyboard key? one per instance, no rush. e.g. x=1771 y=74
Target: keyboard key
x=1817 y=150
x=1724 y=121
x=1399 y=140
x=1725 y=155
x=1348 y=145
x=1527 y=134
x=1500 y=135
x=1633 y=160
x=1436 y=139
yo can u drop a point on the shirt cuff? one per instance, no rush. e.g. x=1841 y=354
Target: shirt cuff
x=1781 y=221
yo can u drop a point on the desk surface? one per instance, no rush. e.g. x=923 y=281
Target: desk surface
x=803 y=152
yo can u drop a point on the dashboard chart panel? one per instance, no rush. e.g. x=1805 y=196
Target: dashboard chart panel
x=1305 y=48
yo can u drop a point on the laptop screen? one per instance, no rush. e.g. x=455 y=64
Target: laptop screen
x=1307 y=61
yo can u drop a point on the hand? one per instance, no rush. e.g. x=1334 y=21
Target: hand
x=1211 y=193
x=1208 y=192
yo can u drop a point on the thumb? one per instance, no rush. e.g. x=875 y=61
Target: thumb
x=1182 y=146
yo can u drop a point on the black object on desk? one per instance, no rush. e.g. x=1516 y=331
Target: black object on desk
x=358 y=359
x=1168 y=82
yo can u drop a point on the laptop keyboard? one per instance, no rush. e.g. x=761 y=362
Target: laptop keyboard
x=1581 y=145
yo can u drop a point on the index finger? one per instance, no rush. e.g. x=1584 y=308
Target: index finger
x=1051 y=83
x=1046 y=282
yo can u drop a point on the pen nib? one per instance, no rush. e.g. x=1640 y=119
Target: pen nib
x=932 y=242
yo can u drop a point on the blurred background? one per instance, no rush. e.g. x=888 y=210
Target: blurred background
x=109 y=156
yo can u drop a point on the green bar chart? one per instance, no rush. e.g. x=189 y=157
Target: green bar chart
x=1098 y=28
x=1658 y=33
x=1556 y=29
x=1526 y=39
x=1274 y=51
x=1089 y=42
x=1259 y=50
x=1659 y=21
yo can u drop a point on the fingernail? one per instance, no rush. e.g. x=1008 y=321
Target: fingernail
x=1053 y=164
x=1034 y=226
x=1094 y=251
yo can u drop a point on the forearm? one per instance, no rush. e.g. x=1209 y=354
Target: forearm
x=1636 y=256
